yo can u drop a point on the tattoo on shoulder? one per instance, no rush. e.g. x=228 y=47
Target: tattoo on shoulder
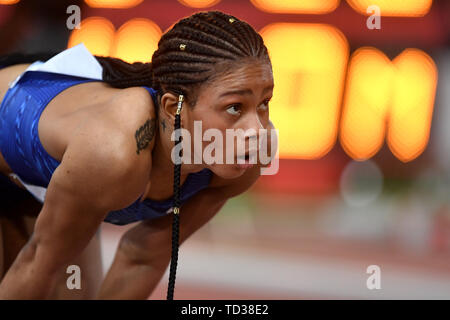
x=145 y=134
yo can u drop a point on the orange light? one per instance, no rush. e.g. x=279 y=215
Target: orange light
x=392 y=99
x=8 y=2
x=96 y=33
x=412 y=104
x=136 y=40
x=115 y=4
x=397 y=8
x=367 y=99
x=309 y=63
x=199 y=3
x=296 y=6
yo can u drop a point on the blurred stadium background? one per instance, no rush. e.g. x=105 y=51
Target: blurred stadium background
x=363 y=118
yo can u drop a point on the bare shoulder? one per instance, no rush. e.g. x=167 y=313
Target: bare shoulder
x=131 y=105
x=136 y=115
x=112 y=153
x=125 y=124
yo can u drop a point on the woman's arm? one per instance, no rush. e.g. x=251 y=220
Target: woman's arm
x=81 y=192
x=144 y=251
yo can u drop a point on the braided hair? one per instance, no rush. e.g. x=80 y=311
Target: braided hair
x=196 y=50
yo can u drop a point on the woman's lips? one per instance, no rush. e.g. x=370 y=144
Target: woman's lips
x=245 y=163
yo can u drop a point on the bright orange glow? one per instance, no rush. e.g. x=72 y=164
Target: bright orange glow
x=96 y=33
x=115 y=4
x=170 y=27
x=412 y=104
x=392 y=99
x=296 y=6
x=383 y=98
x=309 y=63
x=199 y=3
x=136 y=40
x=7 y=2
x=367 y=98
x=398 y=8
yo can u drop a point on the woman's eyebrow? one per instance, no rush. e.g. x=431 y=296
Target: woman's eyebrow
x=244 y=91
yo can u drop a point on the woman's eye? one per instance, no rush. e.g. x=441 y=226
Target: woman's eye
x=234 y=109
x=265 y=105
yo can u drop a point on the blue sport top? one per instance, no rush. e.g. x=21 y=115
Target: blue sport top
x=20 y=111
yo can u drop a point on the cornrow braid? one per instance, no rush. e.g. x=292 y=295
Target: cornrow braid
x=121 y=74
x=177 y=203
x=195 y=51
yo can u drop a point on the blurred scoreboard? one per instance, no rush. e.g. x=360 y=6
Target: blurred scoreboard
x=336 y=80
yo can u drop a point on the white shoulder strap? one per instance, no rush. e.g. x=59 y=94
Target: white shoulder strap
x=76 y=61
x=37 y=191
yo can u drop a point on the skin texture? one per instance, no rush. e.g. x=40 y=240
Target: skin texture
x=99 y=128
x=144 y=135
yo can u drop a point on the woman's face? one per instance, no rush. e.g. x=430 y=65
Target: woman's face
x=237 y=100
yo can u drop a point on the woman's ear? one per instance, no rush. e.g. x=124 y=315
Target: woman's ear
x=169 y=105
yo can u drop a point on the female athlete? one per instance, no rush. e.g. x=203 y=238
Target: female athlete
x=102 y=149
